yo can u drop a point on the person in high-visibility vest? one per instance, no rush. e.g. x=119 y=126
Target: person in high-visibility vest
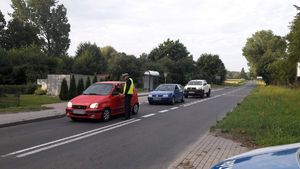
x=128 y=91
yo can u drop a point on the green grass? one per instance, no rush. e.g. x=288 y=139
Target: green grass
x=268 y=116
x=230 y=82
x=30 y=103
x=234 y=82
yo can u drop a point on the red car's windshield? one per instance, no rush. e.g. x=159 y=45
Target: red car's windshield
x=98 y=89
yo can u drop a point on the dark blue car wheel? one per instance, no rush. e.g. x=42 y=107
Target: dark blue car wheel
x=182 y=99
x=173 y=100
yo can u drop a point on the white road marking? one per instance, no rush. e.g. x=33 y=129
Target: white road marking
x=174 y=108
x=163 y=111
x=148 y=115
x=215 y=90
x=70 y=139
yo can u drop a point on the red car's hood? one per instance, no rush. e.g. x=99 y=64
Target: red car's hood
x=88 y=99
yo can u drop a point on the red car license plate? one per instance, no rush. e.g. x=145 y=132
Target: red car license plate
x=78 y=111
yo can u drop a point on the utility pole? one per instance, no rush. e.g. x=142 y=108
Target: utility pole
x=149 y=80
x=165 y=75
x=297 y=73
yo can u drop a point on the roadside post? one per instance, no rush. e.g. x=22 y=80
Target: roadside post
x=165 y=75
x=298 y=73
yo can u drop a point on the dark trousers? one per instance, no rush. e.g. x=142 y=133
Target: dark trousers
x=128 y=105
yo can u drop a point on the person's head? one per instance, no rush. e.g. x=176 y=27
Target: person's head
x=125 y=76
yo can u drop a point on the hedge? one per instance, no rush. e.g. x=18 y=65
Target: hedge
x=20 y=89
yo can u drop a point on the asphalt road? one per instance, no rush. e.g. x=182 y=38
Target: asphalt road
x=152 y=139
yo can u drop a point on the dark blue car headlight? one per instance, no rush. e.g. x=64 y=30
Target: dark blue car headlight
x=165 y=95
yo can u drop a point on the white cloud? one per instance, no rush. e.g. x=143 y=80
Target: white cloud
x=203 y=26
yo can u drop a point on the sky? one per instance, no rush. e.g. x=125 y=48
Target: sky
x=203 y=26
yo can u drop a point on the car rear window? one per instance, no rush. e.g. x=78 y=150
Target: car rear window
x=98 y=89
x=195 y=83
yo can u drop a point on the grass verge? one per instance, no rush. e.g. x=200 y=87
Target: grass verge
x=268 y=116
x=230 y=83
x=31 y=103
x=234 y=82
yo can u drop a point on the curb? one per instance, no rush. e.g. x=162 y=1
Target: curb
x=143 y=94
x=31 y=121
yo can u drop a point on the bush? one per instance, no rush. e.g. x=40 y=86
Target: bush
x=40 y=91
x=72 y=90
x=95 y=79
x=80 y=87
x=12 y=89
x=88 y=82
x=64 y=95
x=30 y=88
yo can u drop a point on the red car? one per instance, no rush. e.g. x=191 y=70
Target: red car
x=101 y=101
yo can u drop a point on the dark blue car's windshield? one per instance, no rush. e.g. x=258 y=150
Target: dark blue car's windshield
x=98 y=89
x=165 y=88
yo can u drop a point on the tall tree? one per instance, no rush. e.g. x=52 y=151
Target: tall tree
x=121 y=63
x=261 y=50
x=243 y=74
x=2 y=31
x=25 y=65
x=173 y=58
x=211 y=68
x=294 y=45
x=107 y=52
x=2 y=21
x=51 y=21
x=88 y=59
x=19 y=34
x=171 y=49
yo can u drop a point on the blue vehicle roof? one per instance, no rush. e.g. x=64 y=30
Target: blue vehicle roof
x=279 y=157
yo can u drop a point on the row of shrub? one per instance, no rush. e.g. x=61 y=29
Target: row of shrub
x=67 y=93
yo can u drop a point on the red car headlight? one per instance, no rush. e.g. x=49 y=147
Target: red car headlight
x=69 y=105
x=94 y=105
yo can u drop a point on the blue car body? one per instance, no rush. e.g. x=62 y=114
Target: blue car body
x=278 y=157
x=165 y=93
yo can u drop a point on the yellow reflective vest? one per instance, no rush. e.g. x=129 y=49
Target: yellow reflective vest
x=130 y=91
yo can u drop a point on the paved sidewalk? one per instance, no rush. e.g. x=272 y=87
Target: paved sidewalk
x=206 y=152
x=55 y=110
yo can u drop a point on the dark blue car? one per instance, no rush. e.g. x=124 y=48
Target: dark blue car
x=166 y=93
x=278 y=157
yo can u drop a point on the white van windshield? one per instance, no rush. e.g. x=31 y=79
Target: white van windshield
x=195 y=83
